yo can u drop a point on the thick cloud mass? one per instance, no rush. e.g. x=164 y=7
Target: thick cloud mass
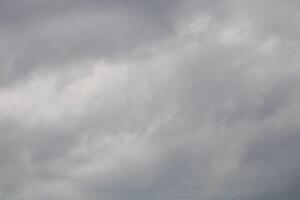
x=144 y=100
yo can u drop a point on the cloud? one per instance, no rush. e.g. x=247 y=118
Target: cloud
x=149 y=100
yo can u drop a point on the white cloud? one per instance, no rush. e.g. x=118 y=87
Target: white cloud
x=148 y=100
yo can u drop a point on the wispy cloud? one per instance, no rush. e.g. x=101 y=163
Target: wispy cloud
x=149 y=100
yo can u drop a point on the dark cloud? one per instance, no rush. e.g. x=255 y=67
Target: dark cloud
x=43 y=34
x=149 y=100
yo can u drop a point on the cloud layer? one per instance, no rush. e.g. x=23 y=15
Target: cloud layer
x=149 y=100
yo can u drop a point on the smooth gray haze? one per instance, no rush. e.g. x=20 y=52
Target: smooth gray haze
x=149 y=100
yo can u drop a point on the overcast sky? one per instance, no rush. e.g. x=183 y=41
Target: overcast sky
x=149 y=100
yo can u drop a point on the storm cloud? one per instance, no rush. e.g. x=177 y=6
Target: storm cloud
x=144 y=100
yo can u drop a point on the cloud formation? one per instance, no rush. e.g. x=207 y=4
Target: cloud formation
x=149 y=100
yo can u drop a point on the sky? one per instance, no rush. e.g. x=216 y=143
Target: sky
x=149 y=100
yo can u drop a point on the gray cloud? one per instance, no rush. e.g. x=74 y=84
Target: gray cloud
x=149 y=100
